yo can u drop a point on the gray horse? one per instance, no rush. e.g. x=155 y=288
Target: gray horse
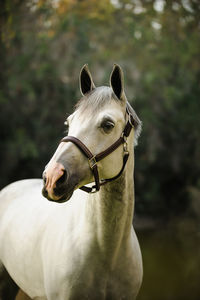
x=85 y=248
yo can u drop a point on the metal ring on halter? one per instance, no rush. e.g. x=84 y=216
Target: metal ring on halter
x=92 y=162
x=124 y=136
x=93 y=190
x=125 y=144
x=126 y=147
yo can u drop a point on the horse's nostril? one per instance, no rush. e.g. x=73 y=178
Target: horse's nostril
x=62 y=179
x=44 y=192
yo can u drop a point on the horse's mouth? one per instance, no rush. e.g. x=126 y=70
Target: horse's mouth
x=58 y=196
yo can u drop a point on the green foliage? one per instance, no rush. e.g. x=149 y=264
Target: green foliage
x=43 y=46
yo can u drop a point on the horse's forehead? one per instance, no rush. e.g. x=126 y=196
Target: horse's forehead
x=112 y=108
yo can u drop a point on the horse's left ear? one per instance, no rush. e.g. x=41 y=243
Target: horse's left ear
x=117 y=81
x=85 y=80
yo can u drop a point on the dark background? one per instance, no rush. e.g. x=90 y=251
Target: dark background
x=43 y=45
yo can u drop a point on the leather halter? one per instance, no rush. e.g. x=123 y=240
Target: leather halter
x=93 y=159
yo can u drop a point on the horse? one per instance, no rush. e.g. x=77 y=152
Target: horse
x=69 y=236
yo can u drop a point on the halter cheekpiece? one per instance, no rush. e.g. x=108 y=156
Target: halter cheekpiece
x=93 y=159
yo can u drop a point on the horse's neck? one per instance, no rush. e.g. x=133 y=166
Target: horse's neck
x=111 y=211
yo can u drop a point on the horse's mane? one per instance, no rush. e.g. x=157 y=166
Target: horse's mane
x=97 y=98
x=138 y=124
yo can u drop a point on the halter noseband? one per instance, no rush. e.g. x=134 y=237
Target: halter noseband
x=93 y=159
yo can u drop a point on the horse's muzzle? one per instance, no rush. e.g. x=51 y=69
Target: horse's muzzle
x=55 y=179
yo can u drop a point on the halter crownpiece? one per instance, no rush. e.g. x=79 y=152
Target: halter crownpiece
x=93 y=159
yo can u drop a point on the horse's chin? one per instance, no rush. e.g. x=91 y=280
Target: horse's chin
x=62 y=199
x=58 y=198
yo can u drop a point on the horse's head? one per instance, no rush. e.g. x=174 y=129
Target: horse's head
x=98 y=121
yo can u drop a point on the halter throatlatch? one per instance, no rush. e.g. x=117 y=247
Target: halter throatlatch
x=93 y=159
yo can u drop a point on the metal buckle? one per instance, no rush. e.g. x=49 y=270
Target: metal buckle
x=92 y=162
x=125 y=144
x=93 y=191
x=126 y=148
x=123 y=136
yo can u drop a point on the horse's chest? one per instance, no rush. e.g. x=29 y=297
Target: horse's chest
x=88 y=276
x=81 y=269
x=98 y=284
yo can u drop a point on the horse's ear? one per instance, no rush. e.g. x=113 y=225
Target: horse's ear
x=117 y=81
x=85 y=80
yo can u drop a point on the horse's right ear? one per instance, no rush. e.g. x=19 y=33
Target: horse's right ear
x=85 y=81
x=117 y=81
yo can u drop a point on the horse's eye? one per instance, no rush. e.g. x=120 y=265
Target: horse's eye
x=107 y=126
